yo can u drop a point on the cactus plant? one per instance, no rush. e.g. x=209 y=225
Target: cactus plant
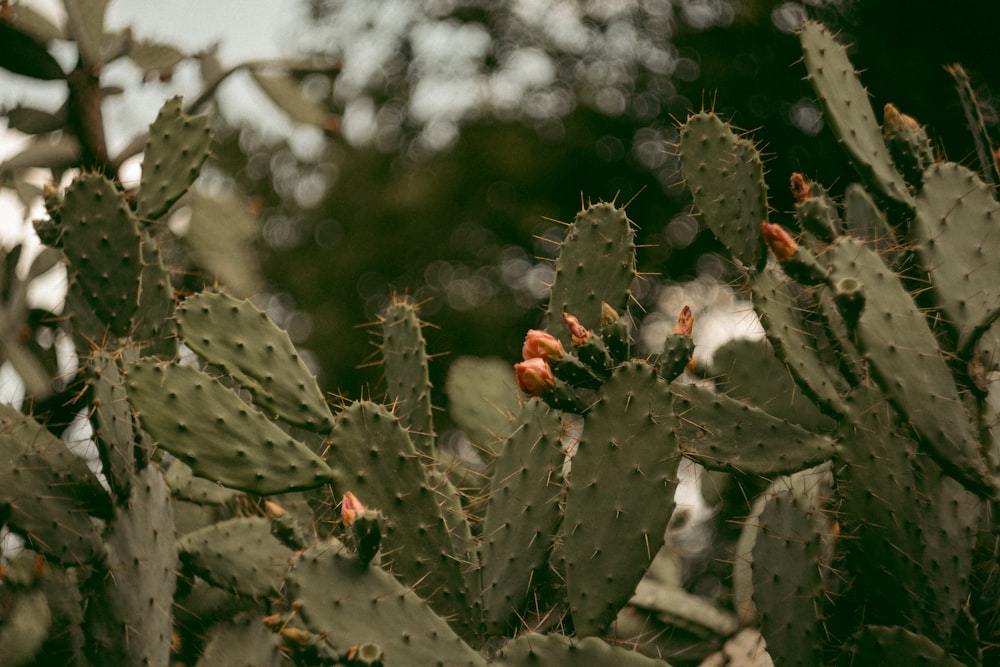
x=238 y=516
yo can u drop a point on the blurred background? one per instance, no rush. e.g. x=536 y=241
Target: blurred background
x=432 y=147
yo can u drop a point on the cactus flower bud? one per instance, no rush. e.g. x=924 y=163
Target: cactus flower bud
x=534 y=376
x=801 y=189
x=896 y=121
x=685 y=322
x=350 y=506
x=779 y=241
x=577 y=332
x=542 y=345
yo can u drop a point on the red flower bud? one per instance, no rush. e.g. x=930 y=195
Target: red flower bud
x=534 y=376
x=800 y=188
x=685 y=322
x=577 y=332
x=349 y=508
x=542 y=345
x=779 y=241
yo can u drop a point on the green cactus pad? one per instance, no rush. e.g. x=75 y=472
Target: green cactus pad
x=242 y=642
x=47 y=493
x=849 y=112
x=376 y=460
x=957 y=217
x=142 y=569
x=559 y=651
x=112 y=419
x=522 y=513
x=726 y=178
x=620 y=495
x=596 y=265
x=153 y=323
x=912 y=540
x=817 y=216
x=912 y=154
x=898 y=647
x=239 y=554
x=371 y=606
x=781 y=316
x=724 y=434
x=175 y=149
x=208 y=427
x=101 y=240
x=738 y=367
x=675 y=356
x=240 y=338
x=404 y=364
x=787 y=568
x=907 y=364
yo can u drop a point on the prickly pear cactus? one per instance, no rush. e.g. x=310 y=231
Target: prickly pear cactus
x=232 y=515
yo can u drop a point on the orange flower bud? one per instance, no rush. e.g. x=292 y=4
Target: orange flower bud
x=685 y=322
x=542 y=345
x=800 y=188
x=577 y=332
x=534 y=376
x=896 y=121
x=349 y=508
x=779 y=241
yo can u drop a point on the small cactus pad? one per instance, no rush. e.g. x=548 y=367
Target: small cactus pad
x=153 y=322
x=112 y=420
x=907 y=364
x=404 y=363
x=239 y=554
x=208 y=427
x=849 y=112
x=596 y=265
x=534 y=650
x=368 y=446
x=522 y=513
x=369 y=605
x=620 y=495
x=176 y=147
x=101 y=240
x=781 y=316
x=956 y=230
x=242 y=340
x=726 y=178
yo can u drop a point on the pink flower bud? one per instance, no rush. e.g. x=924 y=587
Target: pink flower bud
x=349 y=508
x=685 y=322
x=542 y=345
x=534 y=376
x=779 y=241
x=577 y=332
